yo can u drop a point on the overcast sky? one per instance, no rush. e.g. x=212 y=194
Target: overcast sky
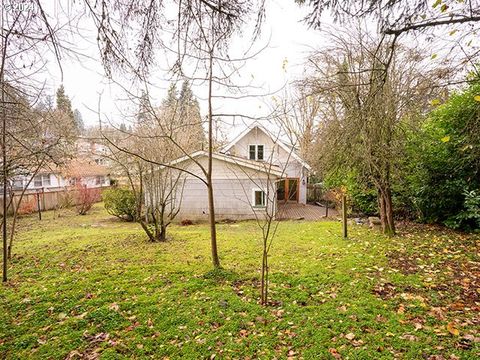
x=288 y=42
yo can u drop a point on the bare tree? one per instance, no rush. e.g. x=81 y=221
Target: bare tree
x=202 y=33
x=298 y=116
x=263 y=201
x=163 y=191
x=369 y=93
x=396 y=17
x=27 y=36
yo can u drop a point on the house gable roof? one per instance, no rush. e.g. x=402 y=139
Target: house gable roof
x=254 y=165
x=284 y=146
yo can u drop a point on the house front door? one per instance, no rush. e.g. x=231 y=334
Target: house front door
x=287 y=190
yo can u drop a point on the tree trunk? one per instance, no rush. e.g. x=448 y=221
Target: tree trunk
x=263 y=297
x=163 y=233
x=386 y=211
x=211 y=203
x=4 y=168
x=145 y=228
x=390 y=229
x=381 y=210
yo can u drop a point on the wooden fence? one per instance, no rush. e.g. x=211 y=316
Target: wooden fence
x=34 y=200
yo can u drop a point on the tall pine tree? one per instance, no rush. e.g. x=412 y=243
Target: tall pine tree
x=64 y=105
x=63 y=102
x=78 y=120
x=189 y=115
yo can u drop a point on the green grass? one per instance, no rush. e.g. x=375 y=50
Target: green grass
x=91 y=286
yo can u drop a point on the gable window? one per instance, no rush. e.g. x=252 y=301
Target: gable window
x=259 y=152
x=252 y=152
x=258 y=198
x=256 y=152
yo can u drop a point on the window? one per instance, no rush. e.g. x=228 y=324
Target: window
x=46 y=180
x=41 y=180
x=259 y=152
x=18 y=184
x=256 y=152
x=37 y=181
x=252 y=152
x=99 y=180
x=258 y=198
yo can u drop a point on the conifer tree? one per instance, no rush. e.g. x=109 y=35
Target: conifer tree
x=63 y=102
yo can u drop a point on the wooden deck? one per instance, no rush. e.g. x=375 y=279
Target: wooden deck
x=294 y=211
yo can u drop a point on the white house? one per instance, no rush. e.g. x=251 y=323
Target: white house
x=258 y=144
x=77 y=171
x=251 y=175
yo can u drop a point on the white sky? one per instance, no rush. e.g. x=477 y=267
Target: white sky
x=289 y=41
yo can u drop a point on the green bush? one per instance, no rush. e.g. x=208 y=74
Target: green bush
x=121 y=203
x=469 y=217
x=444 y=167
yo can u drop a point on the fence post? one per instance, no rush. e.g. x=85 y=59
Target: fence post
x=344 y=216
x=38 y=206
x=43 y=200
x=12 y=194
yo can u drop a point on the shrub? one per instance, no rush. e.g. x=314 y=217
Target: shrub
x=120 y=203
x=66 y=199
x=85 y=198
x=27 y=206
x=469 y=217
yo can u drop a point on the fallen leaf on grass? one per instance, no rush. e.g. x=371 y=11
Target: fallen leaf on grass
x=357 y=343
x=350 y=336
x=82 y=315
x=409 y=337
x=452 y=329
x=334 y=353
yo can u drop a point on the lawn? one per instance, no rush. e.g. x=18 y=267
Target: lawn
x=88 y=287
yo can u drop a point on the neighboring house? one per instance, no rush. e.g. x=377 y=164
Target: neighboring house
x=77 y=171
x=93 y=151
x=90 y=168
x=248 y=171
x=87 y=173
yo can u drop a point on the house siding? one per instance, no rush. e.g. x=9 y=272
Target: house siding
x=292 y=167
x=233 y=187
x=59 y=182
x=232 y=198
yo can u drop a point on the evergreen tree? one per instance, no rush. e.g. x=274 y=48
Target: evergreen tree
x=144 y=107
x=171 y=101
x=188 y=105
x=78 y=120
x=63 y=102
x=189 y=115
